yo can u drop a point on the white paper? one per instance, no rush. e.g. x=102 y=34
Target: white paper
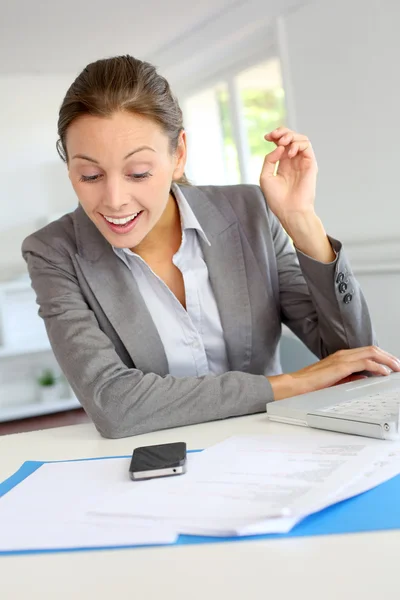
x=249 y=482
x=216 y=528
x=381 y=470
x=211 y=527
x=49 y=509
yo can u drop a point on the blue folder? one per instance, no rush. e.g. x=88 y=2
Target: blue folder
x=375 y=510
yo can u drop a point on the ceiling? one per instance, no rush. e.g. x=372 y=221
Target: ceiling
x=62 y=36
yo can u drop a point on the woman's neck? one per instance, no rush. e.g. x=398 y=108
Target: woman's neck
x=164 y=240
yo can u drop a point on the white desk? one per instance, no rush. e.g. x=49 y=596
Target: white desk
x=361 y=567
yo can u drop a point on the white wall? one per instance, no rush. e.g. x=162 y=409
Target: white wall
x=341 y=65
x=33 y=177
x=343 y=62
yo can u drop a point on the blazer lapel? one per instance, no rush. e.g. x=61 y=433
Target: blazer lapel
x=118 y=294
x=116 y=290
x=227 y=271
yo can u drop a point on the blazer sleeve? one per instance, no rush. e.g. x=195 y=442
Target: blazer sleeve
x=321 y=303
x=124 y=401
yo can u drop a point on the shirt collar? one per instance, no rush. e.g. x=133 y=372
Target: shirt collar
x=188 y=218
x=188 y=221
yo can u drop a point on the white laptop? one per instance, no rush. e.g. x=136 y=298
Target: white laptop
x=369 y=407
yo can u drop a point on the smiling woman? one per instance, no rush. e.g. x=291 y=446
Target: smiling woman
x=163 y=302
x=124 y=192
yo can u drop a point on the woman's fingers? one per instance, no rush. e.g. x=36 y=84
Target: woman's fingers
x=293 y=142
x=346 y=368
x=275 y=135
x=342 y=364
x=297 y=147
x=270 y=161
x=369 y=352
x=285 y=137
x=388 y=359
x=367 y=364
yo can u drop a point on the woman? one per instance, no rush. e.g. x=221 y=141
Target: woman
x=163 y=302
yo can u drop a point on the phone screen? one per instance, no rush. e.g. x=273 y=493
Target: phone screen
x=162 y=456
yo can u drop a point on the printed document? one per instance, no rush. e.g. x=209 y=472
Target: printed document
x=250 y=482
x=49 y=509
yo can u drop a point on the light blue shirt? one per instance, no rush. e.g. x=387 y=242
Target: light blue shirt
x=193 y=339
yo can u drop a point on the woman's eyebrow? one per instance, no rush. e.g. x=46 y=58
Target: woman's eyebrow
x=139 y=150
x=93 y=160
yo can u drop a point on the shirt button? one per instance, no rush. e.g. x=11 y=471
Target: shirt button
x=340 y=278
x=342 y=287
x=348 y=298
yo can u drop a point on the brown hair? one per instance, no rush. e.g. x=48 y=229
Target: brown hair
x=121 y=83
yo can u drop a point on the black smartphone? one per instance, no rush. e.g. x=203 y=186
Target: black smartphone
x=162 y=460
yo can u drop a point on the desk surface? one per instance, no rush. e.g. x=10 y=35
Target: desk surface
x=362 y=566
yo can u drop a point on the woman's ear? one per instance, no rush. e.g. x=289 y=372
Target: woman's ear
x=180 y=157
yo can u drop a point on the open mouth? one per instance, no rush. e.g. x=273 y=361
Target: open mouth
x=122 y=224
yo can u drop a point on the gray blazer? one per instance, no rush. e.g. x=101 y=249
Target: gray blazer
x=108 y=347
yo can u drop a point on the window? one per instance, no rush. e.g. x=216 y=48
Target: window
x=226 y=124
x=263 y=109
x=212 y=153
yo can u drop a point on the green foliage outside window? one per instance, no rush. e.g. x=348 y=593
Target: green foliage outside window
x=263 y=111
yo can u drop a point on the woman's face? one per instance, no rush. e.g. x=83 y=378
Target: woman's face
x=121 y=169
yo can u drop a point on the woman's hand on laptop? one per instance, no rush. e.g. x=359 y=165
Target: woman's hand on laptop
x=332 y=369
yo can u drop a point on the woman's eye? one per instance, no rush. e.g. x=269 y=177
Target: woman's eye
x=140 y=175
x=93 y=178
x=89 y=177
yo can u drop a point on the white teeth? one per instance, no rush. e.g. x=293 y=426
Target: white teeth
x=121 y=221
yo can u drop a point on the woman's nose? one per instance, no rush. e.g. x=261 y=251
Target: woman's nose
x=115 y=196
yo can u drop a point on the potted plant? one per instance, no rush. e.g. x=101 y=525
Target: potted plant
x=49 y=390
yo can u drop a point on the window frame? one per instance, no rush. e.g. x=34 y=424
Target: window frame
x=228 y=77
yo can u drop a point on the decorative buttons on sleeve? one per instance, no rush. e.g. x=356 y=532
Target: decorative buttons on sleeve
x=340 y=278
x=348 y=298
x=342 y=281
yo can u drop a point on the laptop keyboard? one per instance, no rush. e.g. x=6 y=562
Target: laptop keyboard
x=380 y=406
